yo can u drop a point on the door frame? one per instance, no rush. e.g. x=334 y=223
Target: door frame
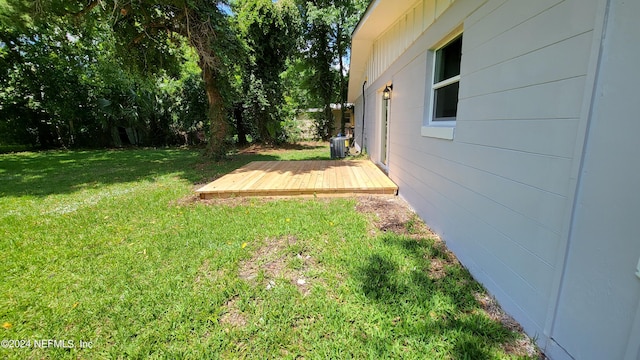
x=384 y=120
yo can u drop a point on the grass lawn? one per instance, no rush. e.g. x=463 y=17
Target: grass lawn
x=110 y=252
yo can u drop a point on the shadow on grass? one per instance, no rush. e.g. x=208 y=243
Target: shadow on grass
x=436 y=311
x=8 y=148
x=60 y=172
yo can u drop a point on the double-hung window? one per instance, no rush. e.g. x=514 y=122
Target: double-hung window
x=444 y=90
x=446 y=81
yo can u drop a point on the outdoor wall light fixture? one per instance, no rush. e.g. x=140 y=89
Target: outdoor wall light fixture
x=386 y=93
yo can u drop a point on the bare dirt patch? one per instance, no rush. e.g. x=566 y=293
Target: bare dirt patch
x=266 y=149
x=392 y=214
x=228 y=201
x=387 y=213
x=274 y=261
x=494 y=312
x=437 y=269
x=442 y=259
x=207 y=275
x=521 y=347
x=232 y=315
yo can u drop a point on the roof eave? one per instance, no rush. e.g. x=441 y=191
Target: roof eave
x=378 y=17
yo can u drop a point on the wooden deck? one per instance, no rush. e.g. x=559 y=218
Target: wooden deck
x=293 y=178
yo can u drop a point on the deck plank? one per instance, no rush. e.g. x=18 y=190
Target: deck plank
x=290 y=178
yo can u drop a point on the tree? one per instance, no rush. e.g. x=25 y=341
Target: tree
x=112 y=61
x=148 y=34
x=44 y=88
x=63 y=87
x=345 y=22
x=151 y=25
x=321 y=79
x=271 y=31
x=327 y=45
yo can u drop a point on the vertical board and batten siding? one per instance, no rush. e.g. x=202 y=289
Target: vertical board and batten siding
x=500 y=193
x=395 y=40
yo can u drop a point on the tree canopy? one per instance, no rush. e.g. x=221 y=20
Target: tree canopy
x=112 y=72
x=271 y=32
x=327 y=41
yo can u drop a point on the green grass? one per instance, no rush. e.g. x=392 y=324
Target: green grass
x=107 y=247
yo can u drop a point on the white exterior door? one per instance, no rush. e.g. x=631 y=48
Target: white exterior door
x=384 y=133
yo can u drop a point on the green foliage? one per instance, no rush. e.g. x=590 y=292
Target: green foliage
x=104 y=73
x=329 y=24
x=114 y=56
x=63 y=86
x=271 y=31
x=190 y=115
x=45 y=89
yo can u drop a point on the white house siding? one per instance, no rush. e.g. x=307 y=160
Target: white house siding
x=501 y=193
x=598 y=315
x=523 y=84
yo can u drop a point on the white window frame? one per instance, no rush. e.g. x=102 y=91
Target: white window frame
x=436 y=86
x=440 y=129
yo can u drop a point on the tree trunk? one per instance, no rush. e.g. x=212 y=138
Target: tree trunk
x=343 y=99
x=240 y=129
x=219 y=128
x=328 y=118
